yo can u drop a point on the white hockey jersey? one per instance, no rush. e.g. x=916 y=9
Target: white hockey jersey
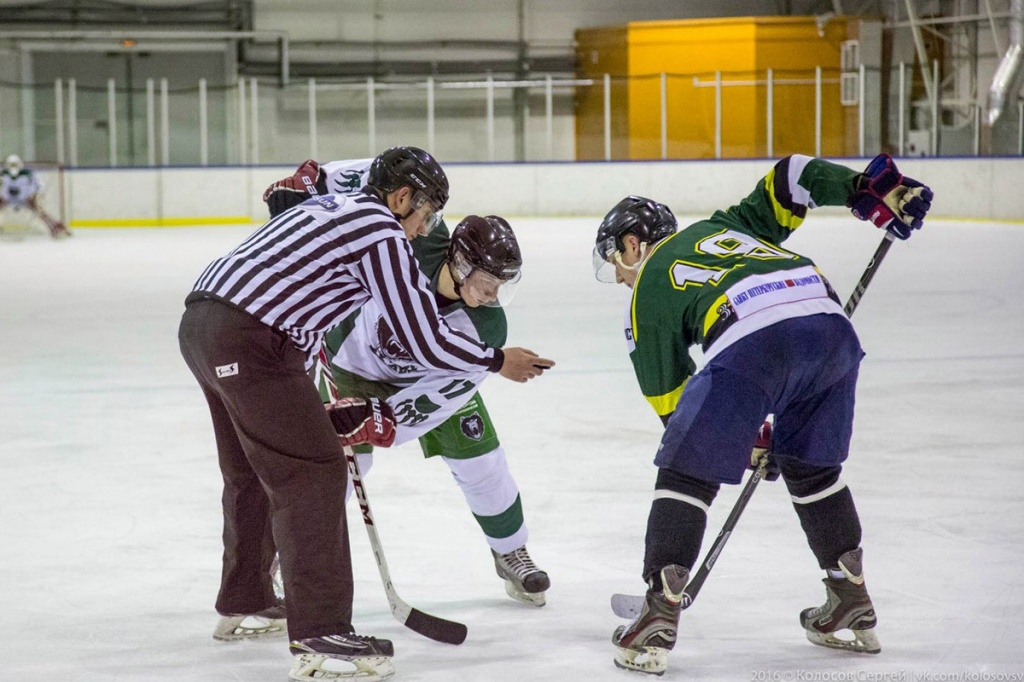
x=19 y=189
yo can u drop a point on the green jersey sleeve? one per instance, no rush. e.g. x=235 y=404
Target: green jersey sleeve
x=779 y=203
x=491 y=324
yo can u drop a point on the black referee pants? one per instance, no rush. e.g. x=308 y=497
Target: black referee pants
x=283 y=467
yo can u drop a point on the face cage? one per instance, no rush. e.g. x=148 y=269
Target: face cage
x=422 y=204
x=604 y=260
x=491 y=290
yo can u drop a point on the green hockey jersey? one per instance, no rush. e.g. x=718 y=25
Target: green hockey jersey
x=727 y=276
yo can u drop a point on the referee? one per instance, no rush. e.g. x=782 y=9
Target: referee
x=252 y=326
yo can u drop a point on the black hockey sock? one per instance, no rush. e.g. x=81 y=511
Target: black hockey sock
x=826 y=510
x=678 y=518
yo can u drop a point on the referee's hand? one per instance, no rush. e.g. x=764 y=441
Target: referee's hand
x=522 y=364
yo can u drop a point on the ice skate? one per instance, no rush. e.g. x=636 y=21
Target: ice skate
x=269 y=622
x=524 y=582
x=643 y=645
x=847 y=606
x=341 y=657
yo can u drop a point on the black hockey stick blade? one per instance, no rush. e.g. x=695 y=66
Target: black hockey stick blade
x=436 y=628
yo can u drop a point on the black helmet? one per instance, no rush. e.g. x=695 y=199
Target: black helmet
x=489 y=246
x=649 y=220
x=410 y=166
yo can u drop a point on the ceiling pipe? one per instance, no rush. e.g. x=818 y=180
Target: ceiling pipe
x=1006 y=81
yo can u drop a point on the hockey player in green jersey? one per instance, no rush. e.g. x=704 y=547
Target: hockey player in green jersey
x=473 y=272
x=775 y=341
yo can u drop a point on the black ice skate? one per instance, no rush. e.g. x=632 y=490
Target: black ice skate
x=643 y=645
x=270 y=622
x=847 y=606
x=523 y=580
x=341 y=657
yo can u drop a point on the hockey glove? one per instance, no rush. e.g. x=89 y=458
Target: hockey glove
x=307 y=181
x=763 y=448
x=359 y=421
x=889 y=199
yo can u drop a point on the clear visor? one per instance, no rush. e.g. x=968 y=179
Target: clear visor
x=604 y=260
x=424 y=207
x=490 y=290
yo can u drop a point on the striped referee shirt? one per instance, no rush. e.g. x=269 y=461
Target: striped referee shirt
x=307 y=269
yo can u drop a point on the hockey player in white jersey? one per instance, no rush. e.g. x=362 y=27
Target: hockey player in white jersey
x=473 y=273
x=19 y=190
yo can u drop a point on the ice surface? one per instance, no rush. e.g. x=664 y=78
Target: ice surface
x=109 y=488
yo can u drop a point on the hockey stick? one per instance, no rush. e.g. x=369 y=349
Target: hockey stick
x=869 y=273
x=627 y=605
x=431 y=627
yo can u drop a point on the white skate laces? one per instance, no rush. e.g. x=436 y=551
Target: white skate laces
x=524 y=582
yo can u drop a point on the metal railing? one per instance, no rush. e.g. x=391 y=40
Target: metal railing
x=252 y=122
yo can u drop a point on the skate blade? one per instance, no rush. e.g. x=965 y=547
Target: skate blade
x=317 y=667
x=863 y=642
x=651 y=660
x=531 y=598
x=236 y=628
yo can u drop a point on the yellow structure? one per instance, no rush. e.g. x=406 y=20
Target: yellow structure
x=690 y=52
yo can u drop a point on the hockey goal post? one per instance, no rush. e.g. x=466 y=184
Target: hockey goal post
x=52 y=198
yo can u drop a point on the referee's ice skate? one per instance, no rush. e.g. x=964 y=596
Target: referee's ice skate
x=270 y=622
x=341 y=657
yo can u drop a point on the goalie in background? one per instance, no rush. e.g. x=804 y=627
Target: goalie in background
x=776 y=341
x=20 y=188
x=473 y=273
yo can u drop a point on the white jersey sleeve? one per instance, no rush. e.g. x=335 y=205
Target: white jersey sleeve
x=426 y=397
x=343 y=177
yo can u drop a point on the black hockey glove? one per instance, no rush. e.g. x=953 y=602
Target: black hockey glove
x=359 y=421
x=889 y=199
x=763 y=448
x=307 y=181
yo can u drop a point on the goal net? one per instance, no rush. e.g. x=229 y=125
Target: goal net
x=20 y=222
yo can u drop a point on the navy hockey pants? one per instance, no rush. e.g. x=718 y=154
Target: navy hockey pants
x=804 y=370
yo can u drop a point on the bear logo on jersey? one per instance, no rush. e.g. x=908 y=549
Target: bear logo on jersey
x=472 y=426
x=390 y=351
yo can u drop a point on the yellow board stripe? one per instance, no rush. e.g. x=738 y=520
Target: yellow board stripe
x=165 y=222
x=783 y=216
